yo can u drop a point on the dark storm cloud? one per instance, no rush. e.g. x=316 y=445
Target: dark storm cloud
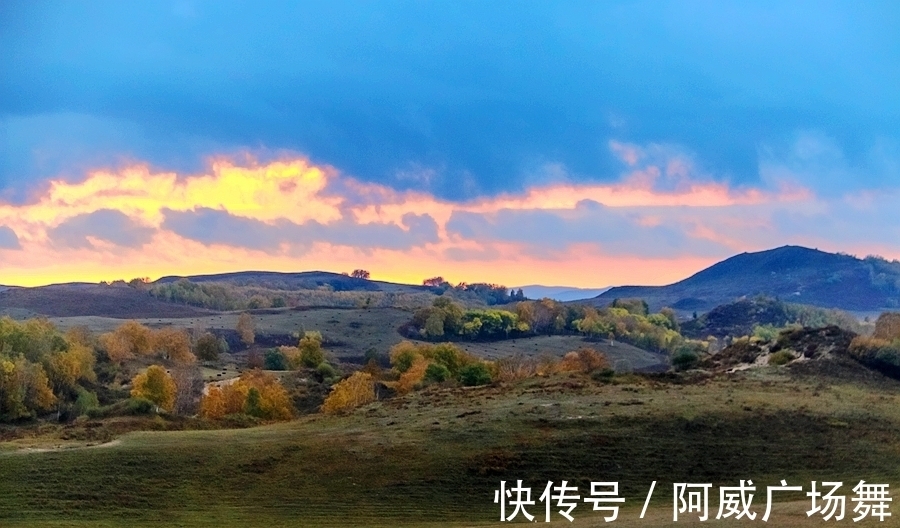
x=210 y=226
x=106 y=224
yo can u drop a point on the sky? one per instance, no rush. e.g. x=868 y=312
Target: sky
x=581 y=143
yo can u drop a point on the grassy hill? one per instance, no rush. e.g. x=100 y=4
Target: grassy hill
x=790 y=273
x=67 y=300
x=349 y=333
x=434 y=457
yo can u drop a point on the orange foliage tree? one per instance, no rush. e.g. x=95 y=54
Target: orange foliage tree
x=270 y=400
x=173 y=344
x=212 y=404
x=130 y=339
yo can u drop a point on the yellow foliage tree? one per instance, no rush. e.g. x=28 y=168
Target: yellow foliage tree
x=235 y=396
x=357 y=390
x=24 y=389
x=212 y=404
x=292 y=356
x=155 y=385
x=246 y=328
x=270 y=401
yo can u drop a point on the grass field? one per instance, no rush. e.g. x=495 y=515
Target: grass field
x=434 y=457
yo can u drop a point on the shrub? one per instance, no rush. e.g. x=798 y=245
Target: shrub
x=403 y=355
x=474 y=374
x=326 y=370
x=782 y=357
x=138 y=406
x=585 y=360
x=605 y=375
x=516 y=367
x=879 y=354
x=413 y=376
x=274 y=360
x=358 y=389
x=437 y=373
x=86 y=401
x=684 y=360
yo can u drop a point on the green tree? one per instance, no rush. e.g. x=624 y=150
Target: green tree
x=207 y=347
x=275 y=360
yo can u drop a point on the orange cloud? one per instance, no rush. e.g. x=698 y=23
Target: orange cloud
x=136 y=222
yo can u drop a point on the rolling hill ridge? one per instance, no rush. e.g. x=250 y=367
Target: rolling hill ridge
x=790 y=273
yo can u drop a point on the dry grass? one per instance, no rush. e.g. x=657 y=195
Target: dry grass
x=436 y=455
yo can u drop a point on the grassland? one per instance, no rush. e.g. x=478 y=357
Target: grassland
x=349 y=333
x=435 y=456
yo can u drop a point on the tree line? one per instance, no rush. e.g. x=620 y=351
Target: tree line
x=626 y=320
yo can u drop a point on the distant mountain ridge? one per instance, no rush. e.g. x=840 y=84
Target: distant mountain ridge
x=559 y=293
x=790 y=273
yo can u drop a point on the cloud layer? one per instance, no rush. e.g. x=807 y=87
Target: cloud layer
x=660 y=221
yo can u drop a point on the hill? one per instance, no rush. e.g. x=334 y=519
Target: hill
x=67 y=300
x=559 y=293
x=306 y=280
x=790 y=273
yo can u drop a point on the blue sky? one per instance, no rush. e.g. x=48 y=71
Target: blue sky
x=481 y=92
x=463 y=101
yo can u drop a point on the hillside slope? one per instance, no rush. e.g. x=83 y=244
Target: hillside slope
x=67 y=300
x=791 y=273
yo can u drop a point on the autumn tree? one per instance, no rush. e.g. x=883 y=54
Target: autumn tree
x=360 y=274
x=173 y=344
x=434 y=282
x=270 y=400
x=212 y=404
x=65 y=369
x=156 y=386
x=24 y=389
x=246 y=328
x=129 y=340
x=357 y=390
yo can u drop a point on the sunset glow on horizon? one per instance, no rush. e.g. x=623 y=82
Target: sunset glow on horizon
x=291 y=215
